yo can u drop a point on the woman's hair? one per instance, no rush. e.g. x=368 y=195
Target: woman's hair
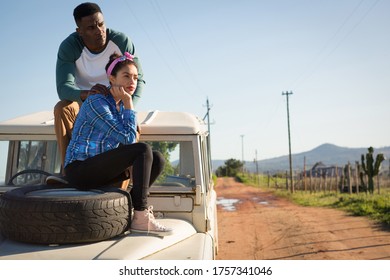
x=119 y=64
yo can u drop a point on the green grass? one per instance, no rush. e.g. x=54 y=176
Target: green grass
x=374 y=206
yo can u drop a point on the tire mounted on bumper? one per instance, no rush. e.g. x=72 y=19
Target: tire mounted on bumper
x=49 y=215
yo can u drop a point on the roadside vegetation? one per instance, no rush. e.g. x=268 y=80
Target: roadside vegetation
x=368 y=203
x=373 y=205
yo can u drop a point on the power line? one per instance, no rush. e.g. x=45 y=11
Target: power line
x=160 y=54
x=321 y=56
x=174 y=42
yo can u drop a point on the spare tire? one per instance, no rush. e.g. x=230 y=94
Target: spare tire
x=48 y=215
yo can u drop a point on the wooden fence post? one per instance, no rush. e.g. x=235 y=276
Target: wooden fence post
x=357 y=177
x=304 y=174
x=349 y=177
x=337 y=177
x=325 y=181
x=286 y=180
x=268 y=179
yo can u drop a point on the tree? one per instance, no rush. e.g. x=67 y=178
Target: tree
x=165 y=148
x=230 y=169
x=371 y=168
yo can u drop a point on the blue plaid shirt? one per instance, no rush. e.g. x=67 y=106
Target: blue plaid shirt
x=99 y=127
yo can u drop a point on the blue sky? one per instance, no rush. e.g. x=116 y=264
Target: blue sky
x=333 y=55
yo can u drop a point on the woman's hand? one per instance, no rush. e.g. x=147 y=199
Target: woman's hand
x=119 y=93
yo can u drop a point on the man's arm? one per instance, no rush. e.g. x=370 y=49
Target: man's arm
x=65 y=73
x=67 y=89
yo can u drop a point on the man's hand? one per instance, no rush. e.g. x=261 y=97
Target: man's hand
x=96 y=89
x=99 y=88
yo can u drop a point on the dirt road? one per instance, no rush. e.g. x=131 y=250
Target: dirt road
x=254 y=224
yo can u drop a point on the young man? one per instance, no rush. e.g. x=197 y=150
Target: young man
x=80 y=67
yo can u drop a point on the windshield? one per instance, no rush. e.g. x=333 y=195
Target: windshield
x=43 y=155
x=179 y=162
x=3 y=160
x=28 y=159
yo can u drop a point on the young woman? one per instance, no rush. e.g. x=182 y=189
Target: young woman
x=103 y=146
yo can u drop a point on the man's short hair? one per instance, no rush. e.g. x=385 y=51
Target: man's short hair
x=84 y=10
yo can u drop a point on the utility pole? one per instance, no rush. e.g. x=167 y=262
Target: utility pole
x=207 y=115
x=242 y=147
x=289 y=139
x=257 y=168
x=242 y=151
x=208 y=128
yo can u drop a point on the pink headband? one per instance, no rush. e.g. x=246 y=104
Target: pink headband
x=122 y=58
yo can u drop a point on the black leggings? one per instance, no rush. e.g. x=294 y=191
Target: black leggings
x=113 y=166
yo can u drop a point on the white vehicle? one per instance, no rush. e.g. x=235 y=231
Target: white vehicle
x=40 y=221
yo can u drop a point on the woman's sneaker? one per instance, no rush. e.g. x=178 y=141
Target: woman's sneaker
x=144 y=222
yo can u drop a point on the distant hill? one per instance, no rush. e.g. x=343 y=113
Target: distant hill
x=328 y=154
